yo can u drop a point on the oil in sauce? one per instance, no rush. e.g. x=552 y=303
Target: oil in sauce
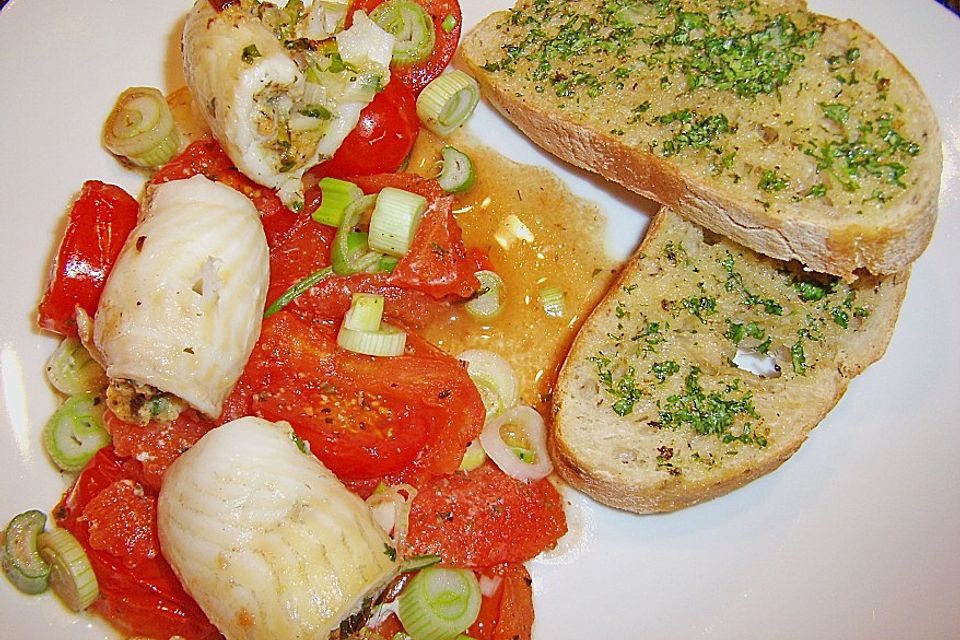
x=538 y=235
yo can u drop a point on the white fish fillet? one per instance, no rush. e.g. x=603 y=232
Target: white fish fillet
x=267 y=540
x=182 y=307
x=245 y=101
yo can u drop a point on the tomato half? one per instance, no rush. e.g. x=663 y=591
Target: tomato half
x=399 y=418
x=417 y=76
x=380 y=142
x=207 y=158
x=114 y=518
x=485 y=517
x=100 y=221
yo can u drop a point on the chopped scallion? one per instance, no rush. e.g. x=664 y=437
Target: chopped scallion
x=141 y=129
x=76 y=431
x=385 y=341
x=457 y=174
x=71 y=369
x=449 y=23
x=439 y=603
x=20 y=556
x=488 y=302
x=71 y=576
x=348 y=257
x=410 y=25
x=336 y=196
x=447 y=101
x=287 y=296
x=395 y=220
x=553 y=301
x=365 y=313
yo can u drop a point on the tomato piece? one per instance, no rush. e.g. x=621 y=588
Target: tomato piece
x=114 y=519
x=100 y=221
x=485 y=517
x=207 y=158
x=437 y=264
x=330 y=298
x=304 y=249
x=396 y=419
x=380 y=142
x=508 y=613
x=417 y=76
x=154 y=447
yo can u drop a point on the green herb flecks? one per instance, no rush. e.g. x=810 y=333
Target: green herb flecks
x=712 y=412
x=694 y=131
x=624 y=389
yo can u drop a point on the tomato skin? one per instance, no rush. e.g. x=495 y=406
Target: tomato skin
x=139 y=592
x=381 y=141
x=484 y=517
x=100 y=221
x=298 y=373
x=508 y=613
x=417 y=76
x=207 y=158
x=437 y=264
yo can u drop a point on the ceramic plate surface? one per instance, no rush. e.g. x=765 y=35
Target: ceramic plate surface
x=857 y=536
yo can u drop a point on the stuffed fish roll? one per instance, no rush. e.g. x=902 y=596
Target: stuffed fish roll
x=182 y=307
x=266 y=539
x=278 y=100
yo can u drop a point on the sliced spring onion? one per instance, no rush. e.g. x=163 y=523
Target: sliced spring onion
x=346 y=258
x=287 y=296
x=336 y=196
x=141 y=128
x=473 y=457
x=416 y=563
x=449 y=23
x=457 y=174
x=447 y=101
x=71 y=369
x=526 y=426
x=390 y=506
x=365 y=312
x=20 y=557
x=71 y=576
x=439 y=603
x=358 y=240
x=412 y=29
x=552 y=300
x=488 y=302
x=386 y=341
x=494 y=377
x=75 y=431
x=395 y=220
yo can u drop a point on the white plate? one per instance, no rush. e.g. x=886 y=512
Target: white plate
x=855 y=537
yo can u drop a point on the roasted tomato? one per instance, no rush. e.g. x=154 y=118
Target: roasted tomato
x=443 y=12
x=401 y=418
x=153 y=447
x=437 y=263
x=485 y=517
x=207 y=158
x=114 y=517
x=380 y=142
x=100 y=221
x=507 y=613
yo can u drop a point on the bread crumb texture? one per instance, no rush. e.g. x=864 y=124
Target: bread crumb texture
x=767 y=96
x=706 y=366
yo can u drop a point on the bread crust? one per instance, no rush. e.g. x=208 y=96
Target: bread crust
x=588 y=466
x=809 y=233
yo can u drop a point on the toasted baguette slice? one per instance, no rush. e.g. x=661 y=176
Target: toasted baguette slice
x=794 y=134
x=650 y=411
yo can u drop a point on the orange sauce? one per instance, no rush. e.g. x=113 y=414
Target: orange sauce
x=557 y=243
